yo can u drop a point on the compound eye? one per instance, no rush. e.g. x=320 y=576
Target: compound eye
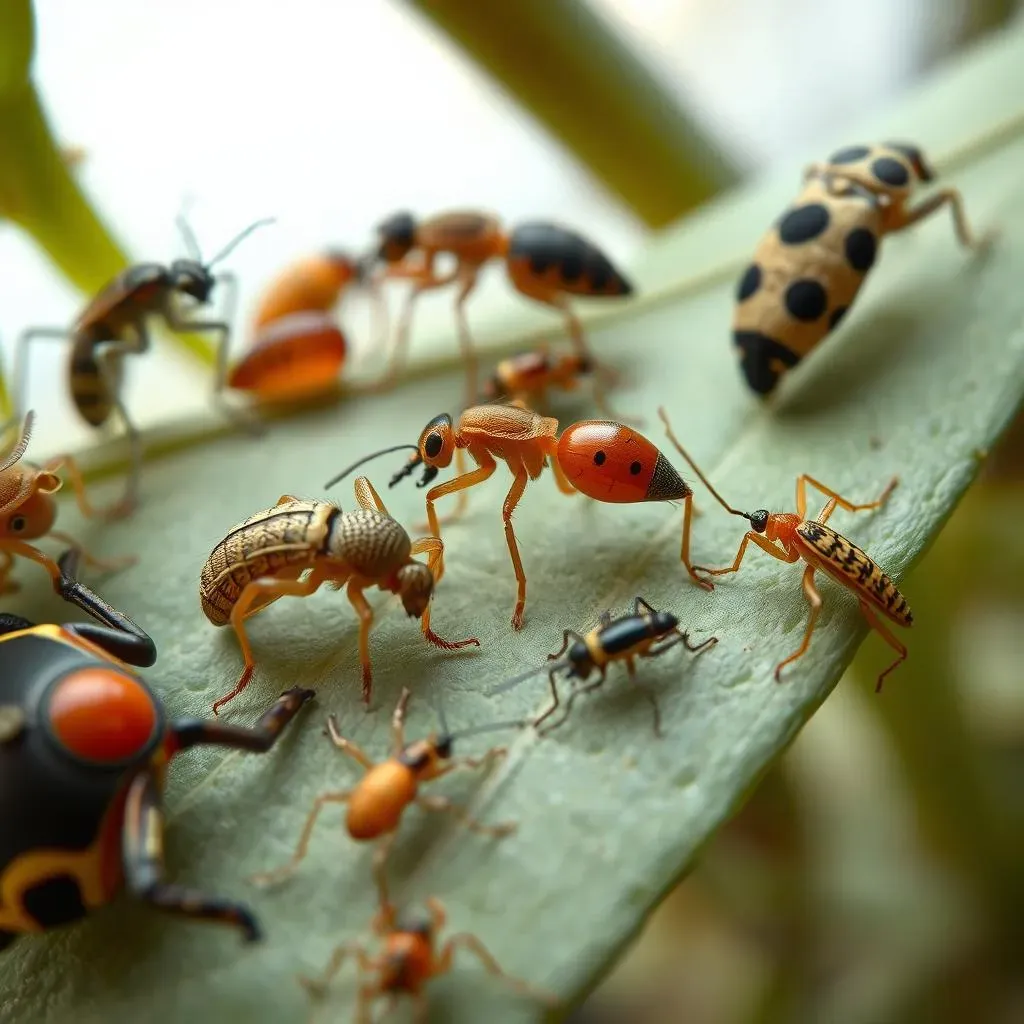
x=433 y=445
x=17 y=524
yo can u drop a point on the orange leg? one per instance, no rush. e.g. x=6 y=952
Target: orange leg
x=261 y=591
x=814 y=600
x=761 y=542
x=317 y=986
x=879 y=627
x=511 y=500
x=398 y=722
x=946 y=196
x=100 y=564
x=365 y=613
x=560 y=478
x=18 y=547
x=684 y=553
x=432 y=802
x=434 y=547
x=118 y=510
x=460 y=483
x=462 y=501
x=464 y=940
x=801 y=496
x=346 y=746
x=458 y=764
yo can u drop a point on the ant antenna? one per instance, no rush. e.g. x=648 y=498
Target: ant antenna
x=19 y=449
x=230 y=247
x=693 y=465
x=436 y=702
x=368 y=458
x=191 y=242
x=509 y=684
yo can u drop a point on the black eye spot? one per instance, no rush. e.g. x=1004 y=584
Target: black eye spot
x=433 y=445
x=860 y=246
x=890 y=171
x=599 y=458
x=849 y=155
x=17 y=523
x=803 y=224
x=749 y=282
x=635 y=467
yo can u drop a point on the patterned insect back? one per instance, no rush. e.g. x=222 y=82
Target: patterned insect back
x=372 y=544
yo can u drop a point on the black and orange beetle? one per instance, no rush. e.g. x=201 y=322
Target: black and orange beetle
x=84 y=748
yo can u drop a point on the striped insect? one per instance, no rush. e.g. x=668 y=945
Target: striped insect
x=644 y=633
x=297 y=546
x=377 y=803
x=115 y=325
x=809 y=268
x=544 y=261
x=605 y=460
x=790 y=537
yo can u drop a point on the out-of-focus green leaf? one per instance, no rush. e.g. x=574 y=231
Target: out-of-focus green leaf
x=923 y=376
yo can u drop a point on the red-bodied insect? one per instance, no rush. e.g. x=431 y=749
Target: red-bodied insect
x=791 y=537
x=809 y=268
x=376 y=804
x=84 y=751
x=605 y=460
x=645 y=633
x=297 y=347
x=409 y=961
x=28 y=511
x=545 y=262
x=115 y=325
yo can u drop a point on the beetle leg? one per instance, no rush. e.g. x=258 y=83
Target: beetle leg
x=814 y=600
x=367 y=496
x=577 y=690
x=365 y=612
x=554 y=698
x=346 y=746
x=433 y=802
x=879 y=627
x=464 y=940
x=801 y=497
x=567 y=634
x=143 y=857
x=903 y=218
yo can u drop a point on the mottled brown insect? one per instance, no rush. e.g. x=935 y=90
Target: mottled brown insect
x=409 y=961
x=378 y=801
x=296 y=546
x=545 y=262
x=28 y=511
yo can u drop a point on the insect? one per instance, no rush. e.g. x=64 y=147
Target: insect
x=409 y=961
x=297 y=346
x=645 y=633
x=545 y=262
x=809 y=267
x=28 y=510
x=84 y=749
x=790 y=537
x=605 y=460
x=378 y=801
x=114 y=325
x=266 y=556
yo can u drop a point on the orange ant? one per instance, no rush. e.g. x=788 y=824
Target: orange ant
x=298 y=348
x=378 y=801
x=605 y=460
x=646 y=633
x=545 y=262
x=28 y=511
x=790 y=537
x=114 y=325
x=409 y=961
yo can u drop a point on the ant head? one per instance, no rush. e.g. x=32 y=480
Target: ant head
x=193 y=278
x=397 y=236
x=415 y=922
x=443 y=745
x=759 y=520
x=664 y=622
x=434 y=451
x=415 y=586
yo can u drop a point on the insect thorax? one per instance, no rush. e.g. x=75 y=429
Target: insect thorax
x=373 y=544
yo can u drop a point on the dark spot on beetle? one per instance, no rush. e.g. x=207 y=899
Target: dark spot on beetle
x=915 y=156
x=860 y=247
x=749 y=282
x=836 y=317
x=540 y=262
x=635 y=467
x=849 y=155
x=55 y=901
x=758 y=356
x=806 y=299
x=572 y=267
x=890 y=171
x=803 y=224
x=600 y=275
x=599 y=458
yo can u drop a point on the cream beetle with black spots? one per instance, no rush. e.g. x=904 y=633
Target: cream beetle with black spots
x=808 y=269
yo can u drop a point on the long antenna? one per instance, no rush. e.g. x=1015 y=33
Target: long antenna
x=693 y=465
x=239 y=238
x=367 y=458
x=551 y=666
x=191 y=242
x=19 y=449
x=518 y=723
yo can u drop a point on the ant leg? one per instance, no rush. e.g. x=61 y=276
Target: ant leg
x=302 y=848
x=511 y=500
x=554 y=698
x=432 y=802
x=467 y=274
x=21 y=360
x=255 y=596
x=367 y=496
x=461 y=502
x=317 y=986
x=684 y=553
x=100 y=564
x=460 y=483
x=577 y=691
x=365 y=613
x=801 y=496
x=74 y=474
x=814 y=600
x=765 y=545
x=346 y=746
x=109 y=356
x=18 y=547
x=380 y=875
x=464 y=940
x=143 y=858
x=879 y=627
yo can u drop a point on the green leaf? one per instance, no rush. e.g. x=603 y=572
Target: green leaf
x=921 y=380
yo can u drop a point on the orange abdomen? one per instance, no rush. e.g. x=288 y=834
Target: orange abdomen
x=376 y=805
x=312 y=284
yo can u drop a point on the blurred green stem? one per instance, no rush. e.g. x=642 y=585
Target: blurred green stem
x=563 y=63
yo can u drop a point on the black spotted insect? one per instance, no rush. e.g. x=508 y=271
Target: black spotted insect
x=809 y=267
x=644 y=633
x=84 y=747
